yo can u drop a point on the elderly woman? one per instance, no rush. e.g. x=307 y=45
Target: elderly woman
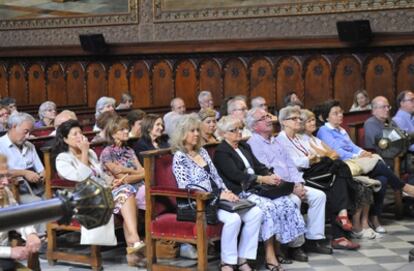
x=75 y=161
x=338 y=139
x=237 y=165
x=208 y=125
x=192 y=165
x=135 y=118
x=120 y=160
x=103 y=104
x=311 y=162
x=152 y=128
x=361 y=101
x=47 y=114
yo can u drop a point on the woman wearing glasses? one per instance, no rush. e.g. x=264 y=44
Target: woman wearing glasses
x=237 y=165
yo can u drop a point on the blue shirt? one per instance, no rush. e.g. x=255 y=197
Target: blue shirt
x=273 y=155
x=339 y=140
x=405 y=122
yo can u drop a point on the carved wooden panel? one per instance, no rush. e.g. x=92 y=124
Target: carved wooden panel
x=75 y=84
x=262 y=81
x=235 y=78
x=378 y=77
x=405 y=73
x=117 y=81
x=162 y=83
x=96 y=85
x=186 y=83
x=3 y=81
x=140 y=84
x=18 y=84
x=347 y=80
x=37 y=84
x=318 y=85
x=56 y=87
x=210 y=79
x=288 y=78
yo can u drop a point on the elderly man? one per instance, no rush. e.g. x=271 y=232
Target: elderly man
x=23 y=160
x=373 y=130
x=205 y=100
x=269 y=152
x=63 y=116
x=237 y=108
x=260 y=102
x=177 y=110
x=403 y=117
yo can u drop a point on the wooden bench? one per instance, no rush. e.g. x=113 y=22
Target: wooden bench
x=160 y=218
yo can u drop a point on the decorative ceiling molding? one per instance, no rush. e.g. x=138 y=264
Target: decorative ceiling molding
x=131 y=17
x=203 y=10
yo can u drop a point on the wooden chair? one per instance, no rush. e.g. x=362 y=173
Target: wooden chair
x=52 y=181
x=160 y=218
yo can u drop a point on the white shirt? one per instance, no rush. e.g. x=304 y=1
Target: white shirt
x=25 y=158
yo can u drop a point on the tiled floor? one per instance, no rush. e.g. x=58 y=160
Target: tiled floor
x=388 y=253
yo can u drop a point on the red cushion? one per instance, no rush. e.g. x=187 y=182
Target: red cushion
x=166 y=225
x=57 y=182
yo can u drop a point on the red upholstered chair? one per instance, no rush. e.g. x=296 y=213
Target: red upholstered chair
x=160 y=218
x=52 y=182
x=44 y=131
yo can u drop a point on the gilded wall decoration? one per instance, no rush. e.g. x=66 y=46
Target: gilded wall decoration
x=47 y=14
x=200 y=10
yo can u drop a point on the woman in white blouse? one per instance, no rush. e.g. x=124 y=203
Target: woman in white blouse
x=76 y=162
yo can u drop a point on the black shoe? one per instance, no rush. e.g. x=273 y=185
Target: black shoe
x=316 y=246
x=298 y=254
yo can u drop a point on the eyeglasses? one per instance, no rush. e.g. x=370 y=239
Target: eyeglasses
x=237 y=129
x=265 y=117
x=409 y=100
x=336 y=113
x=241 y=109
x=294 y=118
x=384 y=107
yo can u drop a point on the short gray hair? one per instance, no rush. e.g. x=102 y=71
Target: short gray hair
x=203 y=94
x=172 y=103
x=255 y=102
x=44 y=107
x=18 y=118
x=250 y=119
x=186 y=123
x=101 y=103
x=226 y=123
x=287 y=111
x=125 y=97
x=231 y=104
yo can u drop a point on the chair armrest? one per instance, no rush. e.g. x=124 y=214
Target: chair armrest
x=180 y=193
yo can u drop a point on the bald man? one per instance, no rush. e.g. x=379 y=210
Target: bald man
x=60 y=118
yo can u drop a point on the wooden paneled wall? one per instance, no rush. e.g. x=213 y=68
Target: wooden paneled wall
x=153 y=80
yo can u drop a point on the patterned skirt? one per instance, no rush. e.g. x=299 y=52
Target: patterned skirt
x=281 y=218
x=121 y=194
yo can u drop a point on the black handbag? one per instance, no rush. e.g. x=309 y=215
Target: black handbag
x=187 y=208
x=323 y=182
x=235 y=206
x=274 y=191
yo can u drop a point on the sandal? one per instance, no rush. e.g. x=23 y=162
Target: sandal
x=245 y=263
x=283 y=260
x=344 y=222
x=272 y=267
x=136 y=247
x=221 y=265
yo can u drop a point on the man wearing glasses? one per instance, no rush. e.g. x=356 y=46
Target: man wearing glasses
x=403 y=118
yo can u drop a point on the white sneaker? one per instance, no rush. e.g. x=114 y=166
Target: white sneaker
x=364 y=234
x=380 y=229
x=188 y=251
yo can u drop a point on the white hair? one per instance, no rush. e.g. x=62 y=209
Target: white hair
x=44 y=107
x=231 y=104
x=255 y=102
x=101 y=103
x=203 y=94
x=18 y=118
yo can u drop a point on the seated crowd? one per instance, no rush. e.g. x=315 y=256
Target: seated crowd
x=319 y=166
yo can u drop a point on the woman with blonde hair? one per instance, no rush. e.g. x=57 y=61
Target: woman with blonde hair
x=192 y=165
x=361 y=101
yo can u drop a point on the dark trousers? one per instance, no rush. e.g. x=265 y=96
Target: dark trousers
x=7 y=265
x=385 y=175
